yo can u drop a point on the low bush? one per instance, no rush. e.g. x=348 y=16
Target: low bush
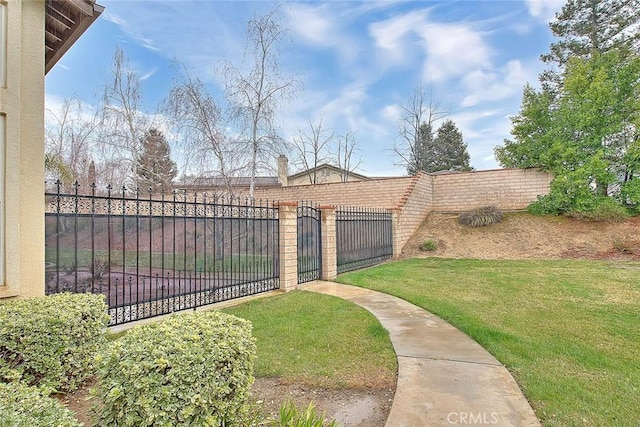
x=24 y=406
x=481 y=217
x=627 y=246
x=192 y=369
x=607 y=209
x=291 y=416
x=581 y=202
x=429 y=245
x=51 y=342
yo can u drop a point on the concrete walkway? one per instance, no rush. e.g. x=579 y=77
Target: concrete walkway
x=444 y=377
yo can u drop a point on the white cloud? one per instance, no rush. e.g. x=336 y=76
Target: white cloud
x=310 y=24
x=544 y=10
x=391 y=113
x=112 y=17
x=483 y=86
x=391 y=35
x=322 y=26
x=448 y=49
x=452 y=50
x=148 y=74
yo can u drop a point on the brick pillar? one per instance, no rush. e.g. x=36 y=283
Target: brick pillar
x=288 y=228
x=395 y=230
x=328 y=232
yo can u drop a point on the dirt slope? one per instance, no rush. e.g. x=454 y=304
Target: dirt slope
x=525 y=236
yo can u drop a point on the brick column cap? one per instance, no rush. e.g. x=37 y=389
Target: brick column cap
x=327 y=207
x=278 y=204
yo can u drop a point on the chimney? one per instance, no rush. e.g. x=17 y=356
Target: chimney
x=92 y=173
x=283 y=170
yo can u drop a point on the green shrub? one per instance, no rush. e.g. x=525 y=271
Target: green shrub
x=192 y=369
x=575 y=198
x=24 y=406
x=429 y=245
x=51 y=342
x=545 y=205
x=604 y=209
x=291 y=416
x=481 y=217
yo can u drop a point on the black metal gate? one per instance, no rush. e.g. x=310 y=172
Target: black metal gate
x=364 y=237
x=309 y=243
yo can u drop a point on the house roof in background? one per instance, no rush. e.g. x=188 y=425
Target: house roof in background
x=330 y=167
x=218 y=182
x=65 y=21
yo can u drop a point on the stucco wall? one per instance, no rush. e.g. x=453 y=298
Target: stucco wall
x=22 y=104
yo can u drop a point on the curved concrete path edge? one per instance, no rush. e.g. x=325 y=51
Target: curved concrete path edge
x=444 y=377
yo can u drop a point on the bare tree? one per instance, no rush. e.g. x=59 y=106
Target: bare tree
x=312 y=148
x=123 y=122
x=347 y=147
x=256 y=94
x=421 y=111
x=197 y=118
x=70 y=136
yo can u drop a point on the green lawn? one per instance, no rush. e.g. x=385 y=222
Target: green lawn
x=320 y=340
x=569 y=331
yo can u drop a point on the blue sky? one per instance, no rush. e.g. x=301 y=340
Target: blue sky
x=357 y=61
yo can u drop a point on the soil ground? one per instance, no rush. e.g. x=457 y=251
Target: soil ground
x=349 y=407
x=518 y=236
x=524 y=236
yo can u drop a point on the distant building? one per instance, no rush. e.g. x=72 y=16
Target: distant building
x=322 y=174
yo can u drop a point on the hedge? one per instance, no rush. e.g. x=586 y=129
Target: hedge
x=192 y=369
x=25 y=406
x=51 y=342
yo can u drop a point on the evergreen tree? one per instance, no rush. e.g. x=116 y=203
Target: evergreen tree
x=154 y=168
x=584 y=125
x=446 y=151
x=421 y=151
x=450 y=151
x=588 y=27
x=588 y=136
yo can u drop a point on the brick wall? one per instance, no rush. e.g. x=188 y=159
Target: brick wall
x=377 y=193
x=415 y=204
x=505 y=188
x=415 y=197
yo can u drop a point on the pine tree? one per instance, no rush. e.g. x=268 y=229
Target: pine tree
x=446 y=151
x=154 y=168
x=587 y=27
x=450 y=151
x=422 y=150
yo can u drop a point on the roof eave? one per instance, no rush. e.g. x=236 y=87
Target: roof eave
x=86 y=13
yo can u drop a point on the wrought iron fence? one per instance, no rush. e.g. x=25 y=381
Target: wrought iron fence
x=309 y=243
x=363 y=237
x=152 y=255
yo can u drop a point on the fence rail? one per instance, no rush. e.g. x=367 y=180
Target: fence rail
x=152 y=255
x=363 y=237
x=155 y=254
